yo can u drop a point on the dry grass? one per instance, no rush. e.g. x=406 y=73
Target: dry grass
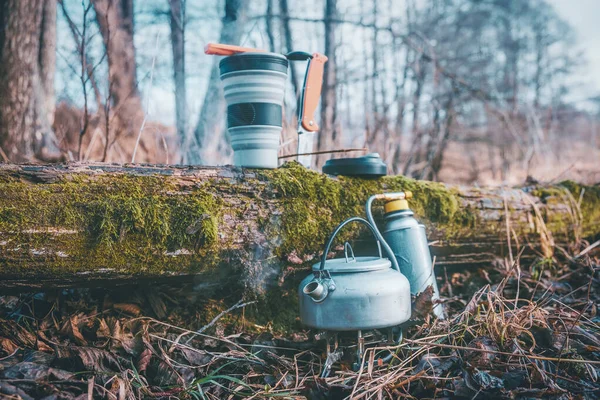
x=513 y=331
x=525 y=334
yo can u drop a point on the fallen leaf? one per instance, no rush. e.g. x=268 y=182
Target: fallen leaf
x=71 y=328
x=486 y=381
x=436 y=366
x=36 y=372
x=196 y=357
x=423 y=304
x=162 y=374
x=88 y=359
x=128 y=308
x=144 y=360
x=13 y=391
x=481 y=359
x=156 y=303
x=38 y=357
x=7 y=346
x=18 y=334
x=103 y=331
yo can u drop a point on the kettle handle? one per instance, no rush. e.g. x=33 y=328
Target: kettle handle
x=339 y=228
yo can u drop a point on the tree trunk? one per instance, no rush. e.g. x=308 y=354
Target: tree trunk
x=76 y=224
x=414 y=155
x=269 y=26
x=438 y=144
x=401 y=95
x=48 y=57
x=329 y=135
x=115 y=19
x=205 y=147
x=289 y=43
x=27 y=62
x=400 y=111
x=177 y=22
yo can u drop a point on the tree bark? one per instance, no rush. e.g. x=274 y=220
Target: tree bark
x=48 y=56
x=27 y=62
x=400 y=111
x=177 y=23
x=329 y=135
x=116 y=23
x=414 y=155
x=205 y=148
x=85 y=224
x=289 y=43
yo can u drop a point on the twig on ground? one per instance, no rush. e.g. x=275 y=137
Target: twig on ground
x=587 y=249
x=542 y=358
x=237 y=305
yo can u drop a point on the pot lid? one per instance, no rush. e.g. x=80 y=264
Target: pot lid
x=354 y=264
x=368 y=166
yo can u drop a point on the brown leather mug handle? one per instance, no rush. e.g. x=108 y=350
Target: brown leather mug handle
x=312 y=91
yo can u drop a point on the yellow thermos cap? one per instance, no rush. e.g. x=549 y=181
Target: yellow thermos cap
x=397 y=205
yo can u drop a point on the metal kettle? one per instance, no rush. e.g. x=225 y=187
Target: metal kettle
x=355 y=293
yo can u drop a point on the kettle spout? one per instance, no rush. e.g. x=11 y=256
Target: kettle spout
x=316 y=290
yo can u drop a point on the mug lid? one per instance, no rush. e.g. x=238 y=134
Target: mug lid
x=254 y=61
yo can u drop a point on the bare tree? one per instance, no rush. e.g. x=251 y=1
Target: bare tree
x=27 y=62
x=329 y=135
x=177 y=23
x=81 y=41
x=116 y=22
x=289 y=46
x=419 y=74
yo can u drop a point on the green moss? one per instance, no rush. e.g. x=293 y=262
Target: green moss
x=313 y=204
x=135 y=224
x=590 y=205
x=589 y=198
x=124 y=221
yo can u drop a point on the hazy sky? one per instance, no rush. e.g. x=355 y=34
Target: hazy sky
x=584 y=16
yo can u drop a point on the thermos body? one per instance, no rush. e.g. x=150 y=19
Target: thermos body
x=408 y=240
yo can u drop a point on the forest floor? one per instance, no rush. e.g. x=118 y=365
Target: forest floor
x=513 y=331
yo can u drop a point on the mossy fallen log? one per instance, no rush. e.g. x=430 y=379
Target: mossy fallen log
x=86 y=224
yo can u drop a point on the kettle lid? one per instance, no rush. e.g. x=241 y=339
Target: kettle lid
x=354 y=264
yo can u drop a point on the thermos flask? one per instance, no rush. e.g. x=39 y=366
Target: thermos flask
x=408 y=240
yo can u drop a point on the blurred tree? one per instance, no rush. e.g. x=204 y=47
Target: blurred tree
x=177 y=24
x=208 y=145
x=289 y=46
x=269 y=26
x=27 y=63
x=116 y=22
x=329 y=136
